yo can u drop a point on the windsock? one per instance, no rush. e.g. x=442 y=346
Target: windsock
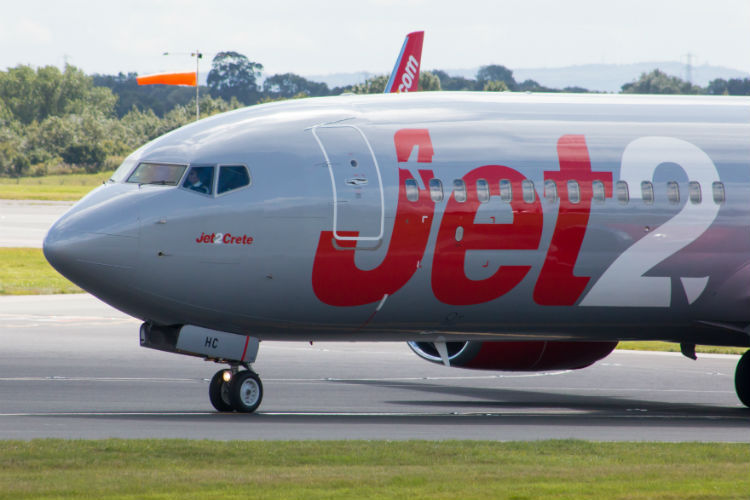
x=168 y=79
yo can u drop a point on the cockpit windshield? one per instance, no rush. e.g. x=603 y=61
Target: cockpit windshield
x=167 y=174
x=123 y=170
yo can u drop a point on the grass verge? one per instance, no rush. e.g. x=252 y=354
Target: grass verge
x=69 y=187
x=181 y=469
x=25 y=271
x=673 y=347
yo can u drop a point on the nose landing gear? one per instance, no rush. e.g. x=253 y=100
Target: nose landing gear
x=233 y=390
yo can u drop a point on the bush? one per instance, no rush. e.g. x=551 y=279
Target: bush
x=91 y=156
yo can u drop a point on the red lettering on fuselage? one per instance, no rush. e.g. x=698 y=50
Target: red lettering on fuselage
x=409 y=138
x=227 y=238
x=237 y=240
x=205 y=238
x=557 y=286
x=338 y=281
x=449 y=281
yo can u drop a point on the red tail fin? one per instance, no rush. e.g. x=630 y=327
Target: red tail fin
x=405 y=76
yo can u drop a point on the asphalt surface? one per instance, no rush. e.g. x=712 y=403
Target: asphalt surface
x=71 y=367
x=24 y=223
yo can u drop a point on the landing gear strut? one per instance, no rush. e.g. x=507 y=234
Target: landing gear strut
x=232 y=390
x=742 y=379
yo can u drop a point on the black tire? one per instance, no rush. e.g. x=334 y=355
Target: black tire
x=245 y=391
x=742 y=379
x=218 y=392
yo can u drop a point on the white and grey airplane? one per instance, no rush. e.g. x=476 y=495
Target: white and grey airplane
x=495 y=231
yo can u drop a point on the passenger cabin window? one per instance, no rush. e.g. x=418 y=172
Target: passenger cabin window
x=550 y=191
x=647 y=192
x=673 y=192
x=623 y=195
x=483 y=191
x=436 y=190
x=506 y=191
x=199 y=180
x=718 y=190
x=166 y=174
x=599 y=193
x=459 y=190
x=694 y=189
x=574 y=192
x=412 y=190
x=529 y=195
x=232 y=177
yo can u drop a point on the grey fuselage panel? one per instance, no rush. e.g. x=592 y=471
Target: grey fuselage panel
x=436 y=215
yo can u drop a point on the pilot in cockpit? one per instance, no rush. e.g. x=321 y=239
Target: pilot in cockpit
x=194 y=182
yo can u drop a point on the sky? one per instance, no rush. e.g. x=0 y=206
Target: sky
x=313 y=38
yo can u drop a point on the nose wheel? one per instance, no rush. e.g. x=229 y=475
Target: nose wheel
x=240 y=391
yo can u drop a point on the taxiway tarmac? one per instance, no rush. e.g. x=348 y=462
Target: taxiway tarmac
x=25 y=223
x=71 y=367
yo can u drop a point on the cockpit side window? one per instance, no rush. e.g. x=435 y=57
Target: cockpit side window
x=199 y=180
x=166 y=174
x=232 y=177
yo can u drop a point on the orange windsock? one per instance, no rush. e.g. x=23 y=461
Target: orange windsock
x=168 y=79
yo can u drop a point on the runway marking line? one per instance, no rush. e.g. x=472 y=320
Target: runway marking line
x=566 y=390
x=593 y=414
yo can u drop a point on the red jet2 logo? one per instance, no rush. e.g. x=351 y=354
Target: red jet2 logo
x=337 y=280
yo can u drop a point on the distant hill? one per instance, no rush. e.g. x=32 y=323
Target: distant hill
x=611 y=77
x=602 y=77
x=341 y=79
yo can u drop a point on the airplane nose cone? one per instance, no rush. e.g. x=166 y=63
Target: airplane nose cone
x=94 y=248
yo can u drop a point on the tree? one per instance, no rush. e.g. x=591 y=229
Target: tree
x=233 y=75
x=448 y=82
x=428 y=81
x=289 y=85
x=52 y=119
x=534 y=86
x=32 y=95
x=495 y=72
x=158 y=98
x=374 y=85
x=576 y=90
x=495 y=86
x=13 y=163
x=6 y=115
x=658 y=82
x=733 y=86
x=92 y=156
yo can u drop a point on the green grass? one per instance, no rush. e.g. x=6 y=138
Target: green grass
x=673 y=347
x=25 y=271
x=69 y=187
x=180 y=469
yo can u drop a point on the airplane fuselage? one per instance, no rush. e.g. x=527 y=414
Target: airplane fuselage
x=460 y=216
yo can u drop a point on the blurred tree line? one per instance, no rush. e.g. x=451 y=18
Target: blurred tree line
x=54 y=121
